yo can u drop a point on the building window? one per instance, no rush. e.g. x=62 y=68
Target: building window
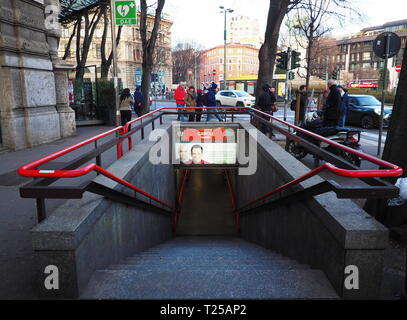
x=367 y=56
x=366 y=65
x=98 y=49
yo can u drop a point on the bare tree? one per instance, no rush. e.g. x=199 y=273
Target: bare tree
x=309 y=23
x=84 y=18
x=267 y=54
x=277 y=11
x=185 y=56
x=322 y=57
x=148 y=45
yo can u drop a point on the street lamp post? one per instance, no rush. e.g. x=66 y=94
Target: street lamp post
x=224 y=49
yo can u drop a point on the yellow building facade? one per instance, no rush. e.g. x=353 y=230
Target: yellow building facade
x=129 y=53
x=242 y=62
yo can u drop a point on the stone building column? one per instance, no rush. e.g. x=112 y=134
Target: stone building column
x=66 y=114
x=29 y=113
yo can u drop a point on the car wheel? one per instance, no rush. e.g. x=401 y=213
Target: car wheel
x=218 y=104
x=367 y=122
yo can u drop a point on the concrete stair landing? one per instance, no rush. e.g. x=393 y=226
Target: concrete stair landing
x=208 y=267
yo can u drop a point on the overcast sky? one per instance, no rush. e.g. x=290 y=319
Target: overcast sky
x=201 y=20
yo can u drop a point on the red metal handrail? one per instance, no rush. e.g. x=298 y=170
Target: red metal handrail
x=179 y=200
x=234 y=209
x=392 y=171
x=29 y=170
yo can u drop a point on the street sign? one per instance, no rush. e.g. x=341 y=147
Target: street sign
x=214 y=72
x=379 y=44
x=189 y=71
x=398 y=68
x=125 y=12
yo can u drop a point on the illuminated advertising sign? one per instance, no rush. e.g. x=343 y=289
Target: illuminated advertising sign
x=198 y=145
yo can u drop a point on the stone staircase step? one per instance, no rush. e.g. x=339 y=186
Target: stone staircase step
x=210 y=284
x=198 y=267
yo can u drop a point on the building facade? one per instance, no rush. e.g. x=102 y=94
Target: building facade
x=129 y=53
x=355 y=58
x=244 y=30
x=242 y=62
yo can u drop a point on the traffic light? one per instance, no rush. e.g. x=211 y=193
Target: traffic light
x=282 y=60
x=325 y=76
x=295 y=60
x=335 y=74
x=291 y=75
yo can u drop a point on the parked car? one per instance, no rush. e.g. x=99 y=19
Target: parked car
x=364 y=111
x=234 y=98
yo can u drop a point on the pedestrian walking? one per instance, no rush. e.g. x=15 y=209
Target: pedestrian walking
x=138 y=101
x=267 y=104
x=332 y=110
x=210 y=100
x=179 y=100
x=190 y=101
x=126 y=101
x=344 y=105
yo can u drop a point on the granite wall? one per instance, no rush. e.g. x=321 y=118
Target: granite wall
x=33 y=82
x=324 y=232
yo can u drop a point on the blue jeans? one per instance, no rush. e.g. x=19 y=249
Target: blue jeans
x=216 y=115
x=342 y=119
x=181 y=111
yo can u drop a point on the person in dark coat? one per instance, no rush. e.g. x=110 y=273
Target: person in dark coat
x=344 y=105
x=332 y=111
x=265 y=103
x=138 y=100
x=211 y=102
x=303 y=102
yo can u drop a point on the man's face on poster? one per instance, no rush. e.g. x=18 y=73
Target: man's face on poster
x=196 y=155
x=183 y=154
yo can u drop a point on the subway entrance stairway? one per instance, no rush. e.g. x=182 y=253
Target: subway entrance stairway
x=207 y=259
x=148 y=227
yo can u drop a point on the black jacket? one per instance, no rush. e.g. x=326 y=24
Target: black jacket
x=210 y=99
x=266 y=100
x=333 y=104
x=200 y=101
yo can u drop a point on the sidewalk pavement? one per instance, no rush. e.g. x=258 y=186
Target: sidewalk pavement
x=18 y=216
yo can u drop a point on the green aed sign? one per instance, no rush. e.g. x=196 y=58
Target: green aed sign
x=125 y=12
